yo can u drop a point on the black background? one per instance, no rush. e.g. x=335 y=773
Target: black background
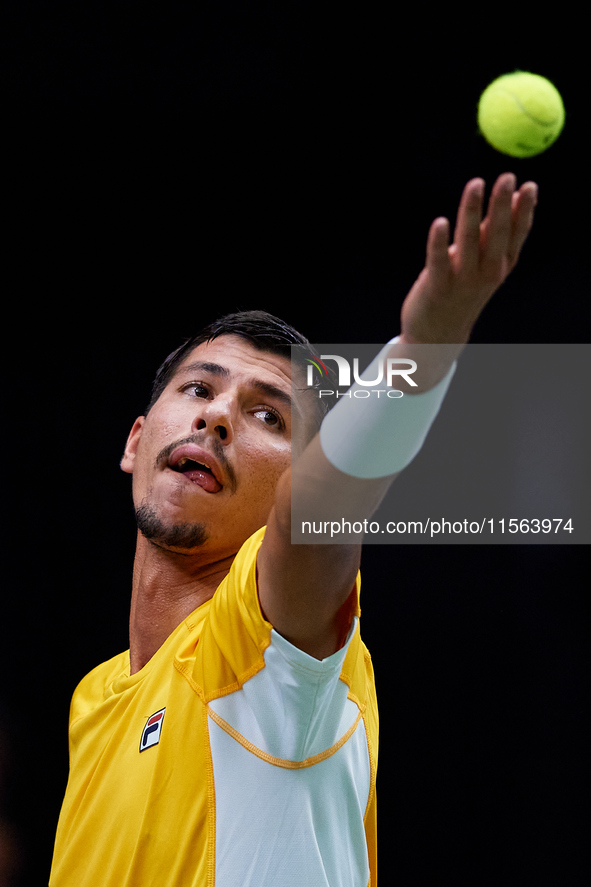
x=164 y=164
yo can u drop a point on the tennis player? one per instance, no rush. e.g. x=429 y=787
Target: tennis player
x=235 y=743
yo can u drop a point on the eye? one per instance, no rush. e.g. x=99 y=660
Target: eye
x=196 y=389
x=269 y=417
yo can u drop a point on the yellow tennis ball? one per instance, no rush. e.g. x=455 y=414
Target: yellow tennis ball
x=521 y=114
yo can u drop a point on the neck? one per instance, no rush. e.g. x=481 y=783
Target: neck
x=167 y=587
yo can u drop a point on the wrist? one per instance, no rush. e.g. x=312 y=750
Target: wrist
x=434 y=361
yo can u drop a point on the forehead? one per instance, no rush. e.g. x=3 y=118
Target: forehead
x=239 y=358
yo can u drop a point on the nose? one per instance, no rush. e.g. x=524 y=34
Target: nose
x=215 y=416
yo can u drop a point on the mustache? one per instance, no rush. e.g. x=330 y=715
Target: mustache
x=215 y=448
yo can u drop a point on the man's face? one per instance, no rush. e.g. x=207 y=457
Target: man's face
x=207 y=458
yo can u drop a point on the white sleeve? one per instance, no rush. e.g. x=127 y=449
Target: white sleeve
x=372 y=437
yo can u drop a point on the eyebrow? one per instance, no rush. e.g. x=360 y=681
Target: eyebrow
x=216 y=369
x=203 y=366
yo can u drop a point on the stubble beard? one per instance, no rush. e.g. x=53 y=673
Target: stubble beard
x=183 y=536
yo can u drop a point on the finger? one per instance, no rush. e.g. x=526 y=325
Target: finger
x=497 y=227
x=466 y=246
x=523 y=206
x=438 y=262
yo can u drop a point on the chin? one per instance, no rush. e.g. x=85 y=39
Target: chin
x=179 y=535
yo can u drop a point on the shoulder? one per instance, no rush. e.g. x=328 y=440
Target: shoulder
x=97 y=685
x=243 y=569
x=226 y=639
x=236 y=601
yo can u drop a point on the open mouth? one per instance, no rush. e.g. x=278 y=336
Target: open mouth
x=197 y=473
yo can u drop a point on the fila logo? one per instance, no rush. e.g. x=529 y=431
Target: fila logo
x=152 y=730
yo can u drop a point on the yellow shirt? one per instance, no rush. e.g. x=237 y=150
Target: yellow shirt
x=232 y=759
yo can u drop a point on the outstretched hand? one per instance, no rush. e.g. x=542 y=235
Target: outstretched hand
x=459 y=279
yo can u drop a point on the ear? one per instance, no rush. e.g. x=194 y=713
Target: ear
x=132 y=445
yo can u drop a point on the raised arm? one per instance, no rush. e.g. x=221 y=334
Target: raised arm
x=304 y=589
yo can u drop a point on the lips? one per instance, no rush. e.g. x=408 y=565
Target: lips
x=197 y=466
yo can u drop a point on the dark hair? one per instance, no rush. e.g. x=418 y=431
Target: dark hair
x=263 y=330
